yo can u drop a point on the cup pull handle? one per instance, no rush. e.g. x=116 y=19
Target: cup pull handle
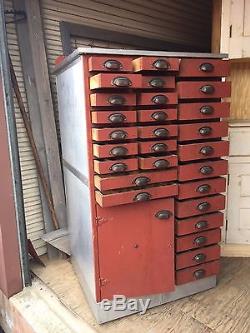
x=112 y=65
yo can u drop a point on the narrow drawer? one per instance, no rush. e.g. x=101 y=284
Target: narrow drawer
x=158 y=82
x=151 y=147
x=196 y=257
x=188 y=111
x=113 y=117
x=204 y=89
x=114 y=134
x=156 y=115
x=208 y=149
x=201 y=188
x=110 y=64
x=197 y=272
x=157 y=132
x=204 y=67
x=192 y=207
x=115 y=150
x=136 y=179
x=199 y=223
x=115 y=81
x=157 y=99
x=115 y=166
x=112 y=99
x=198 y=170
x=203 y=131
x=200 y=239
x=156 y=64
x=157 y=162
x=136 y=196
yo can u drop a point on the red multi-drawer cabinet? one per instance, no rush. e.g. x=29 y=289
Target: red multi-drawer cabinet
x=144 y=147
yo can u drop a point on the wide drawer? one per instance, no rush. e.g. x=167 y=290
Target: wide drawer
x=115 y=150
x=115 y=81
x=197 y=272
x=113 y=117
x=192 y=207
x=157 y=162
x=196 y=257
x=156 y=64
x=151 y=147
x=156 y=115
x=157 y=132
x=114 y=134
x=158 y=82
x=208 y=149
x=204 y=67
x=112 y=99
x=115 y=166
x=157 y=98
x=188 y=111
x=203 y=89
x=199 y=170
x=136 y=196
x=135 y=179
x=110 y=64
x=202 y=131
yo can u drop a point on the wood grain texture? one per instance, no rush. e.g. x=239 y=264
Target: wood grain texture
x=216 y=26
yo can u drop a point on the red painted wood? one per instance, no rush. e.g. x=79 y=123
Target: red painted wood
x=148 y=147
x=168 y=82
x=187 y=111
x=190 y=207
x=103 y=117
x=190 y=89
x=104 y=167
x=133 y=245
x=102 y=99
x=148 y=115
x=192 y=225
x=147 y=98
x=189 y=259
x=97 y=63
x=150 y=162
x=194 y=131
x=147 y=64
x=104 y=134
x=106 y=150
x=191 y=67
x=107 y=80
x=121 y=198
x=148 y=132
x=187 y=275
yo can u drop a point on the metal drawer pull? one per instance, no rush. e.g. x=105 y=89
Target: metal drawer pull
x=159 y=147
x=206 y=67
x=141 y=181
x=144 y=196
x=159 y=116
x=161 y=164
x=119 y=167
x=161 y=64
x=206 y=130
x=112 y=65
x=201 y=225
x=203 y=206
x=117 y=118
x=206 y=170
x=207 y=150
x=116 y=100
x=207 y=110
x=118 y=151
x=200 y=257
x=163 y=214
x=207 y=89
x=200 y=274
x=118 y=135
x=203 y=188
x=161 y=132
x=200 y=240
x=159 y=99
x=157 y=83
x=121 y=82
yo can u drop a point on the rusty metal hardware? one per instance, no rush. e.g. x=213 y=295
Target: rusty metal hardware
x=207 y=89
x=206 y=67
x=199 y=274
x=118 y=135
x=159 y=99
x=159 y=147
x=118 y=151
x=161 y=132
x=141 y=181
x=121 y=82
x=116 y=100
x=201 y=225
x=112 y=65
x=206 y=130
x=203 y=188
x=161 y=64
x=161 y=164
x=117 y=118
x=119 y=167
x=203 y=206
x=206 y=170
x=200 y=257
x=159 y=116
x=163 y=214
x=207 y=110
x=144 y=196
x=207 y=150
x=157 y=83
x=200 y=240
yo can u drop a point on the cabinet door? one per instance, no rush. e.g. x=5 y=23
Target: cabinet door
x=136 y=248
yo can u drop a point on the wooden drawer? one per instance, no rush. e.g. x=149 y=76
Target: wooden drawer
x=115 y=150
x=197 y=272
x=192 y=207
x=156 y=115
x=115 y=166
x=204 y=67
x=199 y=170
x=135 y=179
x=208 y=149
x=188 y=111
x=202 y=131
x=157 y=98
x=110 y=64
x=112 y=99
x=115 y=81
x=157 y=132
x=157 y=162
x=114 y=134
x=198 y=240
x=158 y=82
x=151 y=147
x=136 y=196
x=198 y=223
x=156 y=64
x=196 y=257
x=113 y=117
x=203 y=89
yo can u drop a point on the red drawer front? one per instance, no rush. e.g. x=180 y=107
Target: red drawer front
x=197 y=272
x=204 y=67
x=209 y=149
x=203 y=89
x=156 y=64
x=116 y=150
x=115 y=81
x=149 y=147
x=198 y=223
x=157 y=132
x=201 y=188
x=157 y=98
x=114 y=134
x=113 y=117
x=112 y=99
x=156 y=115
x=135 y=196
x=187 y=111
x=202 y=170
x=203 y=131
x=157 y=162
x=115 y=166
x=158 y=82
x=105 y=183
x=198 y=240
x=110 y=64
x=196 y=257
x=191 y=207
